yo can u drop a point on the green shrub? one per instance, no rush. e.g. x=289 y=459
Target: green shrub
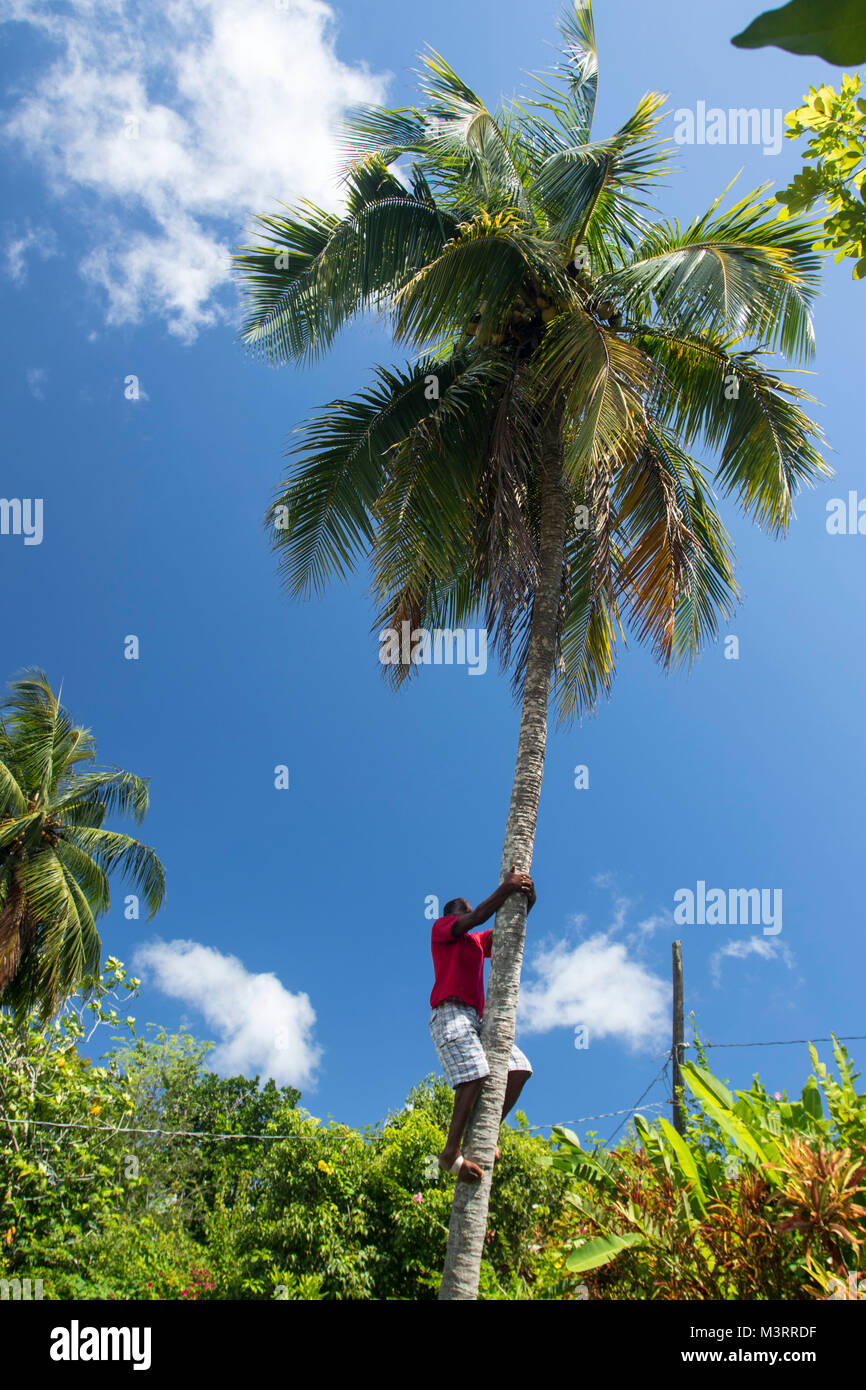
x=761 y=1199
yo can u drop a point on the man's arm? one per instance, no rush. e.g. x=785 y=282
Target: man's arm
x=512 y=883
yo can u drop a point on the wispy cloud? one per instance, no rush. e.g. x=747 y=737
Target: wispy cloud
x=761 y=946
x=31 y=241
x=263 y=1027
x=36 y=378
x=178 y=121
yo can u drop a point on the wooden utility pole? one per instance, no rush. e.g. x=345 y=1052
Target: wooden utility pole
x=678 y=1036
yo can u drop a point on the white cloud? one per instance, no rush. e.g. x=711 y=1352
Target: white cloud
x=263 y=1026
x=36 y=378
x=741 y=948
x=599 y=984
x=180 y=119
x=40 y=241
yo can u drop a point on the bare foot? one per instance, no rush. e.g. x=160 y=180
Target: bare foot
x=467 y=1172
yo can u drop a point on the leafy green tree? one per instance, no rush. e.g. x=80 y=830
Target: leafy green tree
x=366 y=1215
x=835 y=123
x=834 y=29
x=55 y=853
x=171 y=1089
x=61 y=1122
x=117 y=1181
x=534 y=462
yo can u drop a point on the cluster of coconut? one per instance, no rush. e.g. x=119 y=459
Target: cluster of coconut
x=530 y=315
x=51 y=831
x=604 y=309
x=533 y=311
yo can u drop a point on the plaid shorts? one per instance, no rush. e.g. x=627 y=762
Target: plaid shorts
x=456 y=1032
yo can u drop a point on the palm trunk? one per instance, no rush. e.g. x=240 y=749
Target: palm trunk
x=11 y=917
x=468 y=1225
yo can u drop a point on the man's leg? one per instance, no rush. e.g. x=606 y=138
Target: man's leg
x=465 y=1096
x=515 y=1084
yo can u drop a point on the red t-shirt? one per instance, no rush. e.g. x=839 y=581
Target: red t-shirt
x=458 y=963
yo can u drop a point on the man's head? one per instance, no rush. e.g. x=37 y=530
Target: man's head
x=456 y=908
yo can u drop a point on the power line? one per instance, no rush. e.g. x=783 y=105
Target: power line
x=640 y=1098
x=606 y=1115
x=178 y=1133
x=787 y=1042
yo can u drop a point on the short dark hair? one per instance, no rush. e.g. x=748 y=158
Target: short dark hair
x=455 y=908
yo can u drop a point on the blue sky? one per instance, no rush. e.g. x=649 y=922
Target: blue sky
x=133 y=159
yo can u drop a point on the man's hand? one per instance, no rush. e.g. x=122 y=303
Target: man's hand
x=515 y=882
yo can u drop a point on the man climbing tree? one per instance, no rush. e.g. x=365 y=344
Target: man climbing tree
x=539 y=461
x=457 y=1001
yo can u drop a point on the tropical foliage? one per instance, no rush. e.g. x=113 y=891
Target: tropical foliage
x=56 y=855
x=763 y=1198
x=96 y=1205
x=834 y=29
x=835 y=123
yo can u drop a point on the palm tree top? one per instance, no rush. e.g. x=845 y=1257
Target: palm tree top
x=520 y=260
x=56 y=856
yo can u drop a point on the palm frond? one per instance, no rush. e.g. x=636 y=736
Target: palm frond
x=586 y=663
x=603 y=382
x=117 y=791
x=592 y=192
x=745 y=272
x=135 y=862
x=675 y=573
x=45 y=739
x=12 y=799
x=89 y=875
x=383 y=131
x=313 y=275
x=751 y=417
x=573 y=108
x=322 y=518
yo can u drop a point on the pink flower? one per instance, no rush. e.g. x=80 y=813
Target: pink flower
x=778 y=1095
x=417 y=1197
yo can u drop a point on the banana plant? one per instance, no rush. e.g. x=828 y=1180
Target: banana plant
x=761 y=1130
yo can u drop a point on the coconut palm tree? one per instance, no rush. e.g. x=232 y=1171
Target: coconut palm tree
x=535 y=461
x=55 y=854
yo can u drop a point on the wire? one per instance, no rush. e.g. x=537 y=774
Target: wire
x=179 y=1133
x=640 y=1098
x=606 y=1115
x=786 y=1042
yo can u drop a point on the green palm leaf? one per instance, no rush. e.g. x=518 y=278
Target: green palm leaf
x=751 y=417
x=745 y=273
x=114 y=852
x=470 y=250
x=55 y=857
